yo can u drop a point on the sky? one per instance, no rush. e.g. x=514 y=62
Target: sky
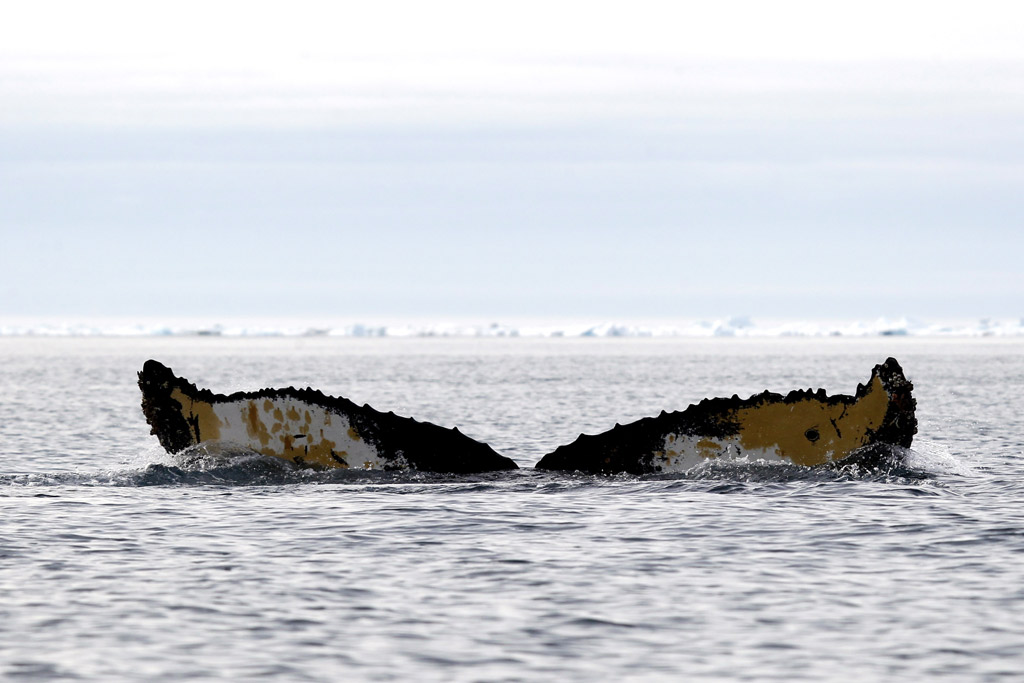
x=555 y=159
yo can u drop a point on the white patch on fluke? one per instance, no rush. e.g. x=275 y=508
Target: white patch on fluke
x=285 y=427
x=683 y=452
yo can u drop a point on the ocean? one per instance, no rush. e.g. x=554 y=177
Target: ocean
x=121 y=562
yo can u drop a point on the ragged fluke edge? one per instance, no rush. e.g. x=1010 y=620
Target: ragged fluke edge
x=306 y=427
x=804 y=427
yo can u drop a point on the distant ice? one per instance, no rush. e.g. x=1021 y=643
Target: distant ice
x=737 y=326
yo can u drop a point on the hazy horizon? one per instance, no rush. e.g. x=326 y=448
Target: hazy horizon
x=528 y=160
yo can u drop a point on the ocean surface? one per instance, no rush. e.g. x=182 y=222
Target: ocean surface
x=121 y=562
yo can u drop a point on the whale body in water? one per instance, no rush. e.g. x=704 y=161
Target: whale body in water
x=306 y=427
x=803 y=427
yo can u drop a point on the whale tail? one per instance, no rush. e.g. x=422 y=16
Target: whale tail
x=306 y=427
x=805 y=427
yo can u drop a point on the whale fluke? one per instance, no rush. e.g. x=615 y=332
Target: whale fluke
x=804 y=427
x=306 y=427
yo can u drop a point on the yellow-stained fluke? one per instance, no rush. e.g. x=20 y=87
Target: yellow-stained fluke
x=803 y=427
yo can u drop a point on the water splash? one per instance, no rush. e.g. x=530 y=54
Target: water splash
x=936 y=458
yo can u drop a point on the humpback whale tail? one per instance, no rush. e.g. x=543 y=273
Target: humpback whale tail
x=803 y=427
x=305 y=427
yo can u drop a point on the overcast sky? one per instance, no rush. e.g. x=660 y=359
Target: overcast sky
x=567 y=159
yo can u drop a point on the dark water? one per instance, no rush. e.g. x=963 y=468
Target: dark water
x=118 y=562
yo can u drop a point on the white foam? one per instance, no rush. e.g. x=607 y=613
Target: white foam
x=936 y=458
